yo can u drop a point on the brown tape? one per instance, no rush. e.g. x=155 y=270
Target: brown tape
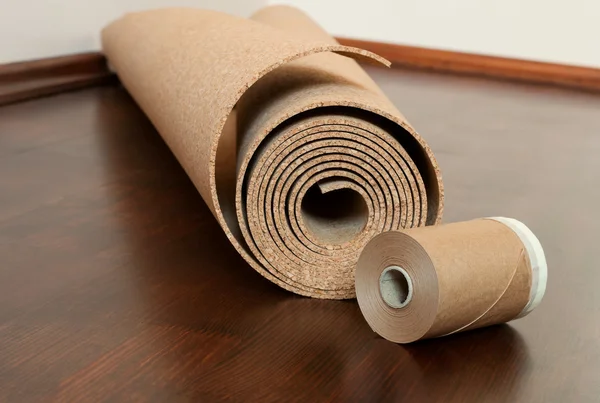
x=429 y=282
x=296 y=151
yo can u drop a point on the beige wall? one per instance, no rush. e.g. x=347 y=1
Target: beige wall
x=32 y=29
x=564 y=31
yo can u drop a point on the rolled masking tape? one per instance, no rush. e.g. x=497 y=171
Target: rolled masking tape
x=294 y=148
x=434 y=281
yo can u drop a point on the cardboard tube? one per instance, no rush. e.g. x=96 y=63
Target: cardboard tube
x=296 y=151
x=434 y=281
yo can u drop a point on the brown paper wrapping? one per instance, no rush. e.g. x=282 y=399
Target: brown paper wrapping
x=434 y=281
x=296 y=151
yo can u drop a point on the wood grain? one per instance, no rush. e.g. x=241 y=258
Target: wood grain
x=117 y=284
x=32 y=79
x=576 y=77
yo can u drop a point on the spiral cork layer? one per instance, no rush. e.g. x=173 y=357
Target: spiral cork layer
x=318 y=190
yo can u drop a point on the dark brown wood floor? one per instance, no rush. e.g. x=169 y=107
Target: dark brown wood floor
x=117 y=284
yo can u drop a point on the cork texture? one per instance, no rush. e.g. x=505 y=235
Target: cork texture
x=296 y=151
x=465 y=275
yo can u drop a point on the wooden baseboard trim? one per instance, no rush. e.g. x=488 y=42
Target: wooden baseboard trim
x=581 y=78
x=44 y=77
x=32 y=79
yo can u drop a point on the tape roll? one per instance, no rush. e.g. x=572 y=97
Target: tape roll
x=296 y=151
x=434 y=281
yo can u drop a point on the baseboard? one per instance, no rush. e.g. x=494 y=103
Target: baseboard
x=581 y=78
x=44 y=77
x=32 y=79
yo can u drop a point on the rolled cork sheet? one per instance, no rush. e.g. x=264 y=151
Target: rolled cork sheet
x=435 y=281
x=296 y=151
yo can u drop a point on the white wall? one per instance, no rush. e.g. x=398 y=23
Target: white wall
x=33 y=29
x=563 y=31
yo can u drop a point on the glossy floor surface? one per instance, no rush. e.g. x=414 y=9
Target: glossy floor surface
x=117 y=284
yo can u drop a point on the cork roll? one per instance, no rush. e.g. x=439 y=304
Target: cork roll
x=296 y=151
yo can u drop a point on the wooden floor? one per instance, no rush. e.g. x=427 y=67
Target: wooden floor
x=117 y=284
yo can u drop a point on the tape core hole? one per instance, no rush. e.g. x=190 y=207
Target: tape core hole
x=395 y=286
